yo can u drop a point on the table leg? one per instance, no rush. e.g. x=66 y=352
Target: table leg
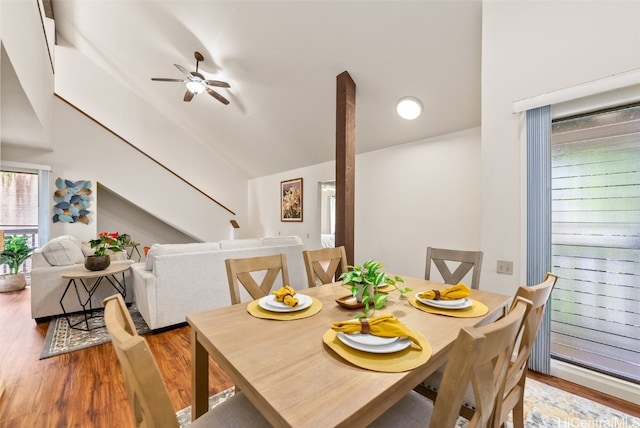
x=199 y=377
x=120 y=287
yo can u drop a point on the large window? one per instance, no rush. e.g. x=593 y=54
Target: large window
x=595 y=318
x=19 y=208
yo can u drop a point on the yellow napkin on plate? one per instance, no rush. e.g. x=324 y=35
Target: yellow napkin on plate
x=285 y=295
x=459 y=291
x=381 y=325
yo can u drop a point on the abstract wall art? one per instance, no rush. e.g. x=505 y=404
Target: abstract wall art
x=72 y=200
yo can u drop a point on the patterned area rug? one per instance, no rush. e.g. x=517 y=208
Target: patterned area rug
x=61 y=338
x=545 y=407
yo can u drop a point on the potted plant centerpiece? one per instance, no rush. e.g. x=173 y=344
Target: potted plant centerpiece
x=365 y=280
x=106 y=242
x=16 y=251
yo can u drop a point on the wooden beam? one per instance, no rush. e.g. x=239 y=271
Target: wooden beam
x=345 y=163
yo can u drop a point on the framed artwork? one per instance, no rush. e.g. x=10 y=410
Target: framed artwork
x=291 y=200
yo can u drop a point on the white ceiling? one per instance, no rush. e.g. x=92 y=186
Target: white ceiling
x=281 y=59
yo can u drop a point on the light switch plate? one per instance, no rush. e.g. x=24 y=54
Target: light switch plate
x=505 y=267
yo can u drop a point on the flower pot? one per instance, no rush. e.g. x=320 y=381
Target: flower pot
x=372 y=291
x=97 y=262
x=12 y=282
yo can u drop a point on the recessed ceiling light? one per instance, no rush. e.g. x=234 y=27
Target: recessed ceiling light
x=409 y=108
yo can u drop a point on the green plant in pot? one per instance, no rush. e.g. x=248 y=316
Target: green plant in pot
x=365 y=280
x=107 y=241
x=16 y=251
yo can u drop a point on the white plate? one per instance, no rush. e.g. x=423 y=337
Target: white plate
x=396 y=346
x=370 y=339
x=446 y=304
x=270 y=303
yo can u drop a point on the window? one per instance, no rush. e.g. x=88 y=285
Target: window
x=595 y=317
x=19 y=209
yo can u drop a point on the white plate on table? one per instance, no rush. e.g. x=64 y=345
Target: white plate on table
x=380 y=346
x=270 y=303
x=446 y=304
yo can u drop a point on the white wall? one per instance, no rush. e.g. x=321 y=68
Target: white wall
x=531 y=48
x=408 y=197
x=83 y=150
x=24 y=42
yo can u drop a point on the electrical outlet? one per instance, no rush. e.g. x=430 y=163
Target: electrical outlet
x=505 y=266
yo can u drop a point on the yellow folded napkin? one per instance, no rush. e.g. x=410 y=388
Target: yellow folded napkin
x=459 y=291
x=285 y=295
x=381 y=325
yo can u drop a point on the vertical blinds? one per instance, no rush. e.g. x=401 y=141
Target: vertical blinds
x=595 y=320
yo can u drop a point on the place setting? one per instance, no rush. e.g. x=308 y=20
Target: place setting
x=453 y=301
x=380 y=343
x=284 y=304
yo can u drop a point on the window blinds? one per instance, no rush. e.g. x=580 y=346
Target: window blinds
x=595 y=317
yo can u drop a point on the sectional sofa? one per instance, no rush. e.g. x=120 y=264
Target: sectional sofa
x=47 y=286
x=178 y=279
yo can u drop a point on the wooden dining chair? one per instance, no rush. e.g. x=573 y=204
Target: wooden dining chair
x=467 y=260
x=513 y=394
x=322 y=265
x=479 y=356
x=146 y=389
x=245 y=271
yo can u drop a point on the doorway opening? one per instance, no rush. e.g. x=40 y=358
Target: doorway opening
x=328 y=214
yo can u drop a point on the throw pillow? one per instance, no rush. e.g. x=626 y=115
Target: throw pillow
x=63 y=251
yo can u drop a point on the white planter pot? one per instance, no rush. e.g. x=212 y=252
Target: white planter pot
x=12 y=282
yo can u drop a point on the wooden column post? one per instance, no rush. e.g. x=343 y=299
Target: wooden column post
x=345 y=163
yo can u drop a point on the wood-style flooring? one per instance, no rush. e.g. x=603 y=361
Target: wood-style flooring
x=85 y=388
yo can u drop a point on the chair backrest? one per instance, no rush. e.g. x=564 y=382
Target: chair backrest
x=146 y=390
x=481 y=356
x=322 y=265
x=240 y=271
x=514 y=385
x=467 y=260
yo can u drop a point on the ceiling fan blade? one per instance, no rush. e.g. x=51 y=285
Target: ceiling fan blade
x=218 y=83
x=165 y=79
x=184 y=70
x=217 y=96
x=188 y=96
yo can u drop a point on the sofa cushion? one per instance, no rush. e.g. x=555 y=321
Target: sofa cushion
x=63 y=251
x=237 y=244
x=163 y=249
x=285 y=240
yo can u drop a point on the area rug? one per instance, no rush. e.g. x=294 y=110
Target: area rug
x=545 y=407
x=61 y=338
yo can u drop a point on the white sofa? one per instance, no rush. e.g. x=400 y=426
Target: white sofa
x=47 y=286
x=179 y=279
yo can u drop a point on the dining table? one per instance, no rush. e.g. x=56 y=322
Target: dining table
x=288 y=372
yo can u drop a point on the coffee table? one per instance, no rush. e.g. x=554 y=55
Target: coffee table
x=85 y=292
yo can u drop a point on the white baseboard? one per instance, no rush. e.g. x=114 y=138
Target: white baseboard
x=619 y=388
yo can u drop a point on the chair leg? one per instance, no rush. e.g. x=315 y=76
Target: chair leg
x=518 y=412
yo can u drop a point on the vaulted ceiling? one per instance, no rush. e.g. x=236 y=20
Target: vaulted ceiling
x=281 y=59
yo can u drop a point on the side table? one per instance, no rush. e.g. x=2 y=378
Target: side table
x=80 y=275
x=132 y=248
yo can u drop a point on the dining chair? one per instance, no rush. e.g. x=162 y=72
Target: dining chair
x=479 y=356
x=467 y=260
x=146 y=390
x=513 y=394
x=322 y=265
x=242 y=271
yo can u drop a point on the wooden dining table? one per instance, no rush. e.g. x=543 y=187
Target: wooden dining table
x=294 y=379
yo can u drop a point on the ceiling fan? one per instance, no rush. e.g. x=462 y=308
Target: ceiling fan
x=196 y=83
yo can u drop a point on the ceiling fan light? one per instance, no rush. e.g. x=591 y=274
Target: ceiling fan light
x=409 y=108
x=195 y=87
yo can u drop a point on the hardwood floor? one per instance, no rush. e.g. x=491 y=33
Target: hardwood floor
x=85 y=388
x=82 y=388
